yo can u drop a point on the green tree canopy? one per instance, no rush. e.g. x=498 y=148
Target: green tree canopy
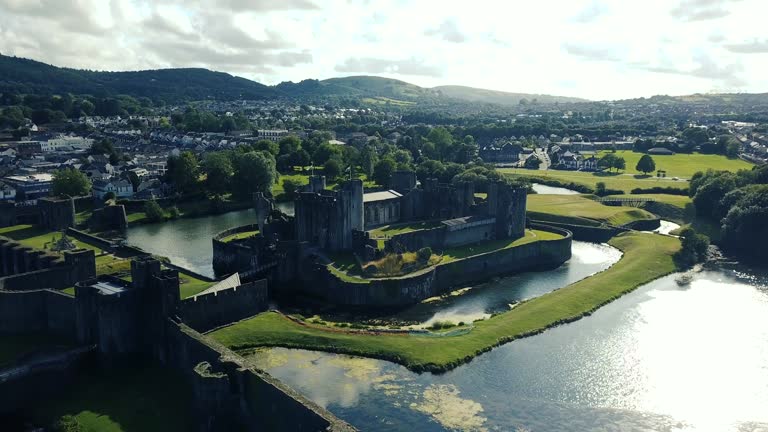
x=254 y=172
x=219 y=171
x=70 y=182
x=383 y=170
x=646 y=164
x=183 y=171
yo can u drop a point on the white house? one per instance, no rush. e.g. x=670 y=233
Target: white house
x=121 y=188
x=66 y=142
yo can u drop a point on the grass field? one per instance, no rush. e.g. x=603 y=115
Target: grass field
x=457 y=253
x=190 y=285
x=646 y=257
x=140 y=399
x=392 y=230
x=621 y=181
x=239 y=236
x=580 y=210
x=683 y=165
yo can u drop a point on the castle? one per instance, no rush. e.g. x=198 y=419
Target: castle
x=294 y=252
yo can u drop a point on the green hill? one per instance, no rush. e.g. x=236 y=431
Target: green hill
x=471 y=94
x=28 y=76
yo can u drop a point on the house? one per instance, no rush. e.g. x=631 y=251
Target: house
x=7 y=192
x=589 y=163
x=571 y=161
x=31 y=186
x=121 y=188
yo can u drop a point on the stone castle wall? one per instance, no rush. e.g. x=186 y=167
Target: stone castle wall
x=320 y=282
x=40 y=310
x=208 y=311
x=231 y=257
x=23 y=268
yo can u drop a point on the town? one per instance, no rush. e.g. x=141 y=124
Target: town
x=335 y=224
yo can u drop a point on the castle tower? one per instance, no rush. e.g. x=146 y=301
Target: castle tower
x=316 y=183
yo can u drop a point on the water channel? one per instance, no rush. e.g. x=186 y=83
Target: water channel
x=662 y=358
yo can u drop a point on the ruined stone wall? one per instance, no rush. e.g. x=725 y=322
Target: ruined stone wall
x=318 y=281
x=109 y=218
x=231 y=257
x=229 y=393
x=16 y=258
x=37 y=311
x=208 y=311
x=31 y=269
x=415 y=240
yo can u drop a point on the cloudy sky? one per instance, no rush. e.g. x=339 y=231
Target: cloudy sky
x=597 y=49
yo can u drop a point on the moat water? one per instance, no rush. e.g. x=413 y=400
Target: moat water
x=187 y=242
x=662 y=358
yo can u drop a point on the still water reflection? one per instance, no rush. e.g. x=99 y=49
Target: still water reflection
x=663 y=358
x=498 y=295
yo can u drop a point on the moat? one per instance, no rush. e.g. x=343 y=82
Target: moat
x=644 y=362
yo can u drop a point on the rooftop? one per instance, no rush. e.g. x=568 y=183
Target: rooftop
x=109 y=287
x=381 y=196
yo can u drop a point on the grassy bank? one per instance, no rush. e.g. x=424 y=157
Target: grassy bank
x=646 y=257
x=125 y=400
x=581 y=210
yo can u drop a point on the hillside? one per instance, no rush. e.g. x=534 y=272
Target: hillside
x=29 y=76
x=21 y=75
x=471 y=94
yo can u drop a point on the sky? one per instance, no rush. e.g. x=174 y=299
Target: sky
x=595 y=49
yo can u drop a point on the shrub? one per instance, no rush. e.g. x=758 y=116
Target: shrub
x=438 y=325
x=424 y=254
x=173 y=212
x=660 y=190
x=694 y=248
x=67 y=423
x=153 y=211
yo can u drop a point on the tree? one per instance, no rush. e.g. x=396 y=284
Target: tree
x=646 y=164
x=610 y=160
x=254 y=172
x=600 y=189
x=693 y=248
x=153 y=211
x=368 y=159
x=268 y=146
x=290 y=187
x=383 y=170
x=103 y=146
x=219 y=171
x=326 y=152
x=289 y=144
x=332 y=169
x=183 y=171
x=707 y=199
x=70 y=182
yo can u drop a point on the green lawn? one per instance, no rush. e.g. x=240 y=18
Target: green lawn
x=581 y=210
x=136 y=399
x=392 y=230
x=13 y=346
x=461 y=252
x=190 y=285
x=683 y=165
x=646 y=257
x=239 y=236
x=346 y=268
x=621 y=181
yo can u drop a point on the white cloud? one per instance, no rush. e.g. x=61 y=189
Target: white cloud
x=597 y=49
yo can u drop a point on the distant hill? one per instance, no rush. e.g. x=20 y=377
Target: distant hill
x=29 y=76
x=472 y=94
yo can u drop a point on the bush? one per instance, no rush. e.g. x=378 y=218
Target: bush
x=439 y=325
x=424 y=254
x=109 y=196
x=660 y=190
x=67 y=423
x=153 y=211
x=173 y=212
x=694 y=248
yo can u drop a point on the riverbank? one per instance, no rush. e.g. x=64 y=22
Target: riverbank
x=646 y=257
